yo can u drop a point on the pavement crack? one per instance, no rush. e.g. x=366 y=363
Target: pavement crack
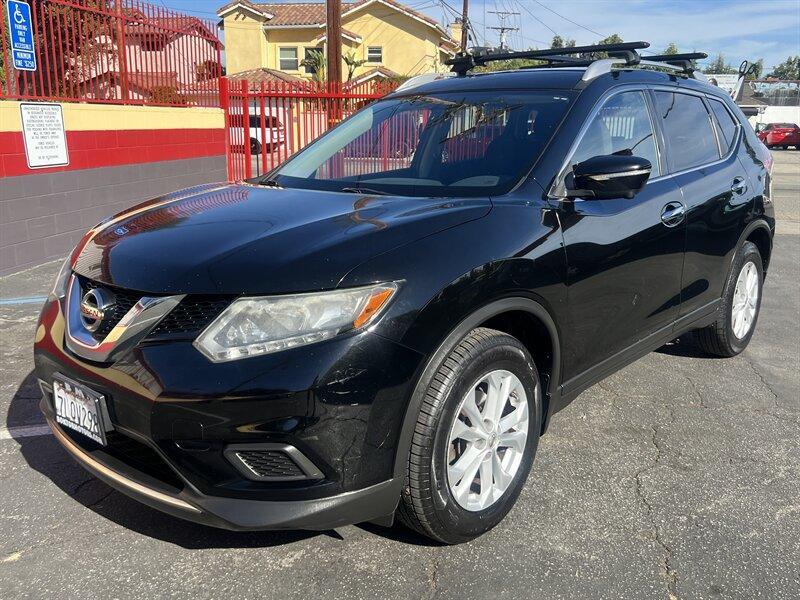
x=433 y=578
x=761 y=377
x=697 y=393
x=668 y=570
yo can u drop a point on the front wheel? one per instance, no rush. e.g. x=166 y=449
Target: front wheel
x=255 y=146
x=741 y=303
x=474 y=440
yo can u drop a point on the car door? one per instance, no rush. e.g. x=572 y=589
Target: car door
x=624 y=256
x=715 y=189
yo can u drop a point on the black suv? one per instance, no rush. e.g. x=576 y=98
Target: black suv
x=386 y=323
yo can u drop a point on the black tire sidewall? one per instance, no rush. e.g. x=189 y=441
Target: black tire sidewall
x=748 y=253
x=459 y=523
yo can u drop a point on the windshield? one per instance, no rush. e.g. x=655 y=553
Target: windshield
x=453 y=144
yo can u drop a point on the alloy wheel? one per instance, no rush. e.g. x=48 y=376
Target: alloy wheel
x=487 y=440
x=745 y=301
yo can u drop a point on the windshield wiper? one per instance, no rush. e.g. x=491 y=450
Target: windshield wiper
x=269 y=183
x=363 y=190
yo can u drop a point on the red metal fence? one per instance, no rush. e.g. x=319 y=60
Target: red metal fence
x=280 y=118
x=116 y=51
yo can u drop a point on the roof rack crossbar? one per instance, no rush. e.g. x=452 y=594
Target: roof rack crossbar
x=683 y=61
x=676 y=57
x=463 y=63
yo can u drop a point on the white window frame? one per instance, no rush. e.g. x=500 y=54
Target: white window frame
x=296 y=58
x=380 y=55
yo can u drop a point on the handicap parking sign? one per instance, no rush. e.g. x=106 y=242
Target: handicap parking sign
x=20 y=25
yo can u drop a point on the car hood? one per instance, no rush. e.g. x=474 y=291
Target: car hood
x=247 y=239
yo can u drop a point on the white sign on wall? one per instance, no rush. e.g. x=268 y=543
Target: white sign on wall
x=43 y=132
x=726 y=81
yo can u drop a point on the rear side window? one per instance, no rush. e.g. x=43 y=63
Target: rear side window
x=621 y=126
x=687 y=129
x=726 y=123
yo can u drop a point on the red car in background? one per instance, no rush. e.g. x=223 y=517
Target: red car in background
x=780 y=135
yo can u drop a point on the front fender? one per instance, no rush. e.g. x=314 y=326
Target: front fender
x=511 y=260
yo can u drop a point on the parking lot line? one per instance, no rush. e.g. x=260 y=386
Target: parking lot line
x=22 y=300
x=23 y=432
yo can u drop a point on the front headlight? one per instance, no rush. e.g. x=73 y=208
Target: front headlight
x=60 y=284
x=261 y=325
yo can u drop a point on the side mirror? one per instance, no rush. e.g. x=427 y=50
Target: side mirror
x=611 y=176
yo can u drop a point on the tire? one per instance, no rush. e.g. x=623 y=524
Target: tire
x=720 y=338
x=255 y=146
x=428 y=504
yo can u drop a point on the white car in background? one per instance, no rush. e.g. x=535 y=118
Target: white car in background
x=266 y=139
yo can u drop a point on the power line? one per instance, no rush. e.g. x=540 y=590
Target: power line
x=589 y=29
x=530 y=12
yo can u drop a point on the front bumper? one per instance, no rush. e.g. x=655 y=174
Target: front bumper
x=351 y=507
x=341 y=403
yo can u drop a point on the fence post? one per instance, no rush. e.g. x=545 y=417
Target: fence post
x=248 y=166
x=10 y=88
x=122 y=60
x=224 y=103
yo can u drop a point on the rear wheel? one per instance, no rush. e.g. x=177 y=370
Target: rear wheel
x=255 y=146
x=741 y=303
x=474 y=440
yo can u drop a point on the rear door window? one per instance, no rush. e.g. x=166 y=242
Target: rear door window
x=621 y=126
x=687 y=130
x=726 y=125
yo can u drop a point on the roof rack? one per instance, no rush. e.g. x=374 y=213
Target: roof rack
x=463 y=63
x=683 y=61
x=622 y=54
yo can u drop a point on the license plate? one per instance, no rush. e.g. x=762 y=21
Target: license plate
x=80 y=409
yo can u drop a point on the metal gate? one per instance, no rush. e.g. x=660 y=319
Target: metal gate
x=268 y=122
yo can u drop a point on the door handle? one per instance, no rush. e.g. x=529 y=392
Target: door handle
x=739 y=186
x=673 y=213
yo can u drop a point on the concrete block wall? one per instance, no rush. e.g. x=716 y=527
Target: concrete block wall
x=119 y=156
x=43 y=216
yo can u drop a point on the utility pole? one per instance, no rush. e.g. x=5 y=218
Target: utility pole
x=464 y=26
x=503 y=28
x=334 y=34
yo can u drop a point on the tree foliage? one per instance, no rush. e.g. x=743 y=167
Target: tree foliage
x=352 y=62
x=614 y=38
x=559 y=42
x=719 y=66
x=316 y=61
x=757 y=69
x=788 y=69
x=671 y=49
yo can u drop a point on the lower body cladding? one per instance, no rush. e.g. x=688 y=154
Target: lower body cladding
x=302 y=439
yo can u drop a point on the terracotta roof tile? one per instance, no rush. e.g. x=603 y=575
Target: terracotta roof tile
x=298 y=13
x=313 y=13
x=264 y=75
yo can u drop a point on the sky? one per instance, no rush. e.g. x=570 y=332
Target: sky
x=739 y=29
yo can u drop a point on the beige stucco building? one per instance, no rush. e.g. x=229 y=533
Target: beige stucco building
x=391 y=38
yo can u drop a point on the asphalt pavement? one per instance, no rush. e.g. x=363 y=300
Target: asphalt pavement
x=678 y=477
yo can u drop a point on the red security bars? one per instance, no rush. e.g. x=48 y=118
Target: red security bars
x=116 y=51
x=270 y=121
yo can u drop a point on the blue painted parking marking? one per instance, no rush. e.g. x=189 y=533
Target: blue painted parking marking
x=22 y=300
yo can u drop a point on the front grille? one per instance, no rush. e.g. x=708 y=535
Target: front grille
x=191 y=315
x=270 y=464
x=187 y=319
